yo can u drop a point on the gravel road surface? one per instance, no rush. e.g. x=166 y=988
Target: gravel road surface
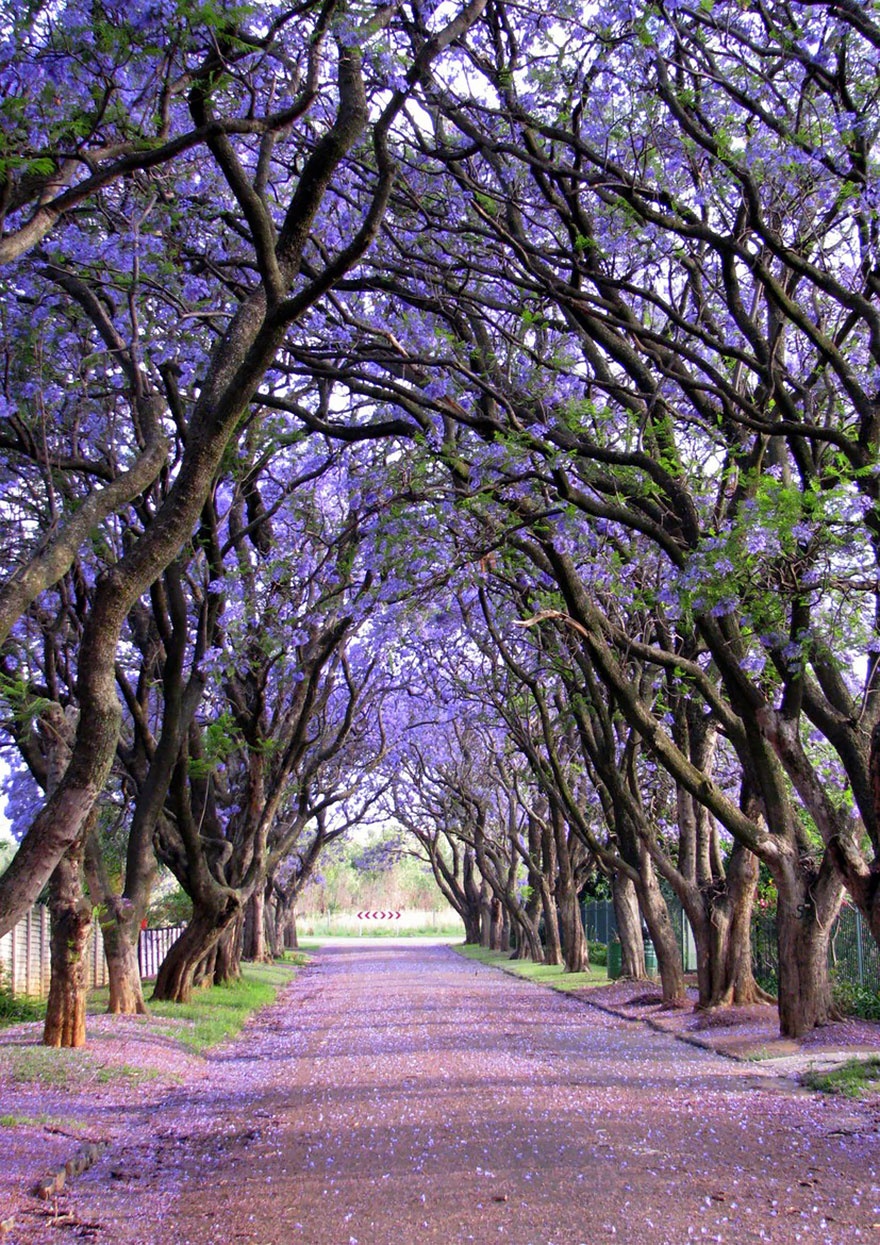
x=402 y=1094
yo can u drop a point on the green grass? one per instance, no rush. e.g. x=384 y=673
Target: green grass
x=545 y=974
x=217 y=1013
x=851 y=1079
x=759 y=1056
x=55 y=1123
x=65 y=1069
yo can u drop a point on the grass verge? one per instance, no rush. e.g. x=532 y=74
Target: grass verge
x=217 y=1013
x=545 y=974
x=54 y=1123
x=66 y=1069
x=851 y=1079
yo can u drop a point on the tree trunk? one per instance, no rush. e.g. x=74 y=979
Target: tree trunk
x=576 y=957
x=254 y=945
x=496 y=928
x=528 y=944
x=71 y=922
x=291 y=938
x=123 y=968
x=629 y=926
x=176 y=976
x=472 y=925
x=656 y=915
x=120 y=921
x=227 y=953
x=485 y=916
x=552 y=940
x=471 y=892
x=808 y=902
x=730 y=936
x=272 y=926
x=204 y=973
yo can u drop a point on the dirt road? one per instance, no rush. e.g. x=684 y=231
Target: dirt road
x=399 y=1095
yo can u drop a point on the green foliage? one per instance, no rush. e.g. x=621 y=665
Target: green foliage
x=598 y=954
x=7 y=851
x=172 y=906
x=545 y=974
x=220 y=739
x=23 y=705
x=851 y=1079
x=854 y=1000
x=359 y=873
x=217 y=1013
x=15 y=1010
x=597 y=886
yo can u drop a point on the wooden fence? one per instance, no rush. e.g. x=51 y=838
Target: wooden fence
x=154 y=946
x=25 y=964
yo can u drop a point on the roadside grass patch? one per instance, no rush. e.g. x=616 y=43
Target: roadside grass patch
x=851 y=1079
x=545 y=974
x=65 y=1069
x=52 y=1122
x=214 y=1013
x=759 y=1056
x=217 y=1013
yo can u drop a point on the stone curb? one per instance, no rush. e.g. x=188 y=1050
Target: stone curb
x=776 y=1068
x=782 y=1068
x=50 y=1186
x=659 y=1027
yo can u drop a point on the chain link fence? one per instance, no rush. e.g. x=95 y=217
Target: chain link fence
x=853 y=956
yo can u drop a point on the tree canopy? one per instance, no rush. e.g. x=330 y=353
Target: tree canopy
x=470 y=410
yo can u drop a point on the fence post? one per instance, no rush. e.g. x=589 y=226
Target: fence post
x=45 y=953
x=860 y=950
x=28 y=957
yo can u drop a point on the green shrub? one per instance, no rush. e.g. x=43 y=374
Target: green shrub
x=854 y=1000
x=15 y=1010
x=598 y=953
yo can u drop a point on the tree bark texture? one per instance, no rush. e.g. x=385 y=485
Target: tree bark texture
x=71 y=923
x=629 y=927
x=228 y=954
x=656 y=915
x=808 y=901
x=177 y=972
x=123 y=968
